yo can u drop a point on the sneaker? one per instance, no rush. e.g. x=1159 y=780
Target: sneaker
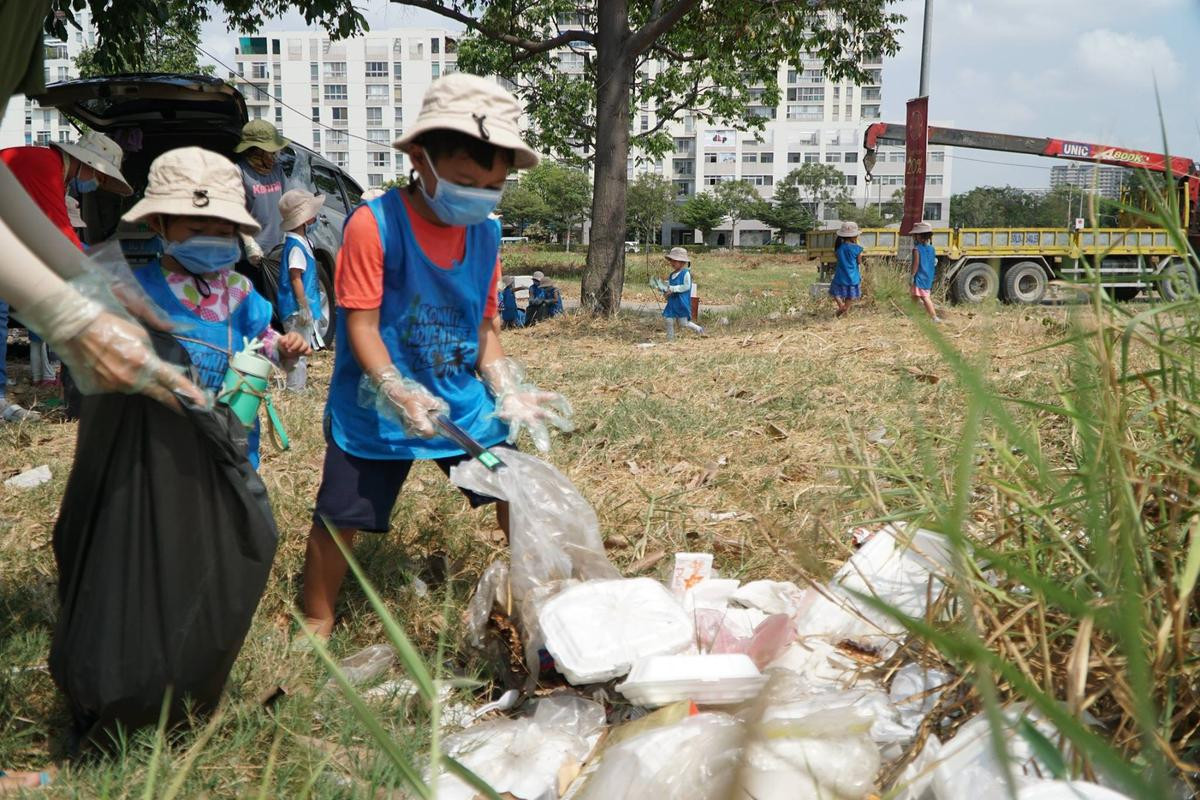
x=938 y=320
x=11 y=412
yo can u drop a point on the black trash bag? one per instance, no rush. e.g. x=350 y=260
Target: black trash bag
x=164 y=544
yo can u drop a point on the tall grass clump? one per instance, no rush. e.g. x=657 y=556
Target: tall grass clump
x=1075 y=522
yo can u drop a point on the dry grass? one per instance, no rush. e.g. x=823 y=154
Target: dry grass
x=765 y=417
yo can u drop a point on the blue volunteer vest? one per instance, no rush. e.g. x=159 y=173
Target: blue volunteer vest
x=846 y=273
x=508 y=305
x=210 y=344
x=926 y=266
x=429 y=321
x=679 y=304
x=285 y=298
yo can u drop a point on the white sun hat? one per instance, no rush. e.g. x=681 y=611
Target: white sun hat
x=371 y=194
x=679 y=254
x=539 y=275
x=298 y=206
x=848 y=230
x=101 y=154
x=194 y=182
x=921 y=227
x=477 y=107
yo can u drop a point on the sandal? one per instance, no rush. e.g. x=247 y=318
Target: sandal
x=15 y=413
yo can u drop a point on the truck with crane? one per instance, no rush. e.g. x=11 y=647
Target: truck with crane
x=1017 y=264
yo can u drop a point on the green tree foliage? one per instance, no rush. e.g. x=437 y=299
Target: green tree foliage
x=819 y=183
x=521 y=206
x=1007 y=206
x=565 y=192
x=651 y=198
x=398 y=182
x=168 y=47
x=702 y=211
x=124 y=27
x=715 y=60
x=786 y=211
x=739 y=200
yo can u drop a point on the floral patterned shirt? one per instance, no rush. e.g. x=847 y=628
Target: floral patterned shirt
x=225 y=291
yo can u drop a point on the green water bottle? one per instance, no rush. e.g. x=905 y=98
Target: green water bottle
x=246 y=388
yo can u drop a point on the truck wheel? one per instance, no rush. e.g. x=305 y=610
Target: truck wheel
x=1123 y=294
x=974 y=283
x=1177 y=280
x=1025 y=282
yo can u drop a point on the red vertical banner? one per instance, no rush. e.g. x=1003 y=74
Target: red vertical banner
x=916 y=137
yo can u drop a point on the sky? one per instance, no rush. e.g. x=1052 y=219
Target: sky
x=1082 y=70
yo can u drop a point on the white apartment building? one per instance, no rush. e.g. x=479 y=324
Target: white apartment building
x=348 y=99
x=817 y=121
x=1104 y=181
x=27 y=123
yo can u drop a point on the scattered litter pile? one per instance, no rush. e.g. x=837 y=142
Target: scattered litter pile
x=706 y=687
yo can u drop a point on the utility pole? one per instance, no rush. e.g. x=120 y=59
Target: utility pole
x=926 y=48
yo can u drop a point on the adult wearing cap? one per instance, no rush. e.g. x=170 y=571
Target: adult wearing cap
x=46 y=174
x=416 y=278
x=262 y=179
x=678 y=293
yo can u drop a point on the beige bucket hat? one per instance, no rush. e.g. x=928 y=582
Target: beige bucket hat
x=539 y=276
x=194 y=182
x=371 y=194
x=848 y=230
x=101 y=154
x=679 y=254
x=922 y=227
x=261 y=134
x=477 y=107
x=298 y=206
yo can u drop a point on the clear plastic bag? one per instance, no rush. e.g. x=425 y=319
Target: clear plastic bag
x=554 y=535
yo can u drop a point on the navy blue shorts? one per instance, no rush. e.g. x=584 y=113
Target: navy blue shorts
x=360 y=493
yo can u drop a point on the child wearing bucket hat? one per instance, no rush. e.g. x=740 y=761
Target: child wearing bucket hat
x=194 y=201
x=924 y=267
x=846 y=286
x=510 y=313
x=299 y=298
x=678 y=293
x=416 y=281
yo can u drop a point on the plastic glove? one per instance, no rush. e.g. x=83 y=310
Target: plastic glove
x=104 y=351
x=522 y=405
x=401 y=400
x=254 y=253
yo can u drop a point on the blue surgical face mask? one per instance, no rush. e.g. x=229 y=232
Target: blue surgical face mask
x=81 y=186
x=201 y=255
x=460 y=205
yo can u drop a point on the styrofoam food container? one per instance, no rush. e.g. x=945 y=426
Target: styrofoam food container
x=597 y=630
x=707 y=680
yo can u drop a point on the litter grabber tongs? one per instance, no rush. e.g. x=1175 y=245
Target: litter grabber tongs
x=454 y=433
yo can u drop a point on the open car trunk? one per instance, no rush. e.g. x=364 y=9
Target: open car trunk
x=147 y=114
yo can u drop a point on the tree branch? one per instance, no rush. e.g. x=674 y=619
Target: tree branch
x=675 y=55
x=528 y=45
x=649 y=33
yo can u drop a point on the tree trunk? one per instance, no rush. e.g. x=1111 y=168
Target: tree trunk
x=604 y=276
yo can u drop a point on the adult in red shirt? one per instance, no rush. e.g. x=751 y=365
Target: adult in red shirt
x=46 y=173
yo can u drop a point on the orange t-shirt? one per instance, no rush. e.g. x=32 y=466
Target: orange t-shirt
x=358 y=280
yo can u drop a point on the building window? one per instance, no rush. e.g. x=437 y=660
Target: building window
x=336 y=91
x=852 y=180
x=340 y=114
x=377 y=69
x=645 y=122
x=316 y=138
x=451 y=46
x=760 y=180
x=314 y=71
x=374 y=117
x=399 y=117
x=812 y=158
x=54 y=51
x=795 y=158
x=316 y=113
x=338 y=138
x=683 y=166
x=933 y=211
x=792 y=76
x=437 y=69
x=808 y=112
x=278 y=116
x=933 y=180
x=806 y=94
x=258 y=72
x=378 y=135
x=340 y=157
x=377 y=92
x=938 y=156
x=335 y=70
x=275 y=46
x=449 y=67
x=397 y=70
x=435 y=45
x=683 y=188
x=749 y=158
x=43 y=137
x=64 y=136
x=383 y=160
x=64 y=74
x=416 y=49
x=851 y=157
x=685 y=145
x=766 y=158
x=833 y=158
x=374 y=180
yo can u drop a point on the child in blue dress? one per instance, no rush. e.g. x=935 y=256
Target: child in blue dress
x=847 y=279
x=924 y=267
x=299 y=298
x=195 y=202
x=511 y=314
x=678 y=293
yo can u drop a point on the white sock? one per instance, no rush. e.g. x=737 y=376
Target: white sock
x=670 y=327
x=691 y=326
